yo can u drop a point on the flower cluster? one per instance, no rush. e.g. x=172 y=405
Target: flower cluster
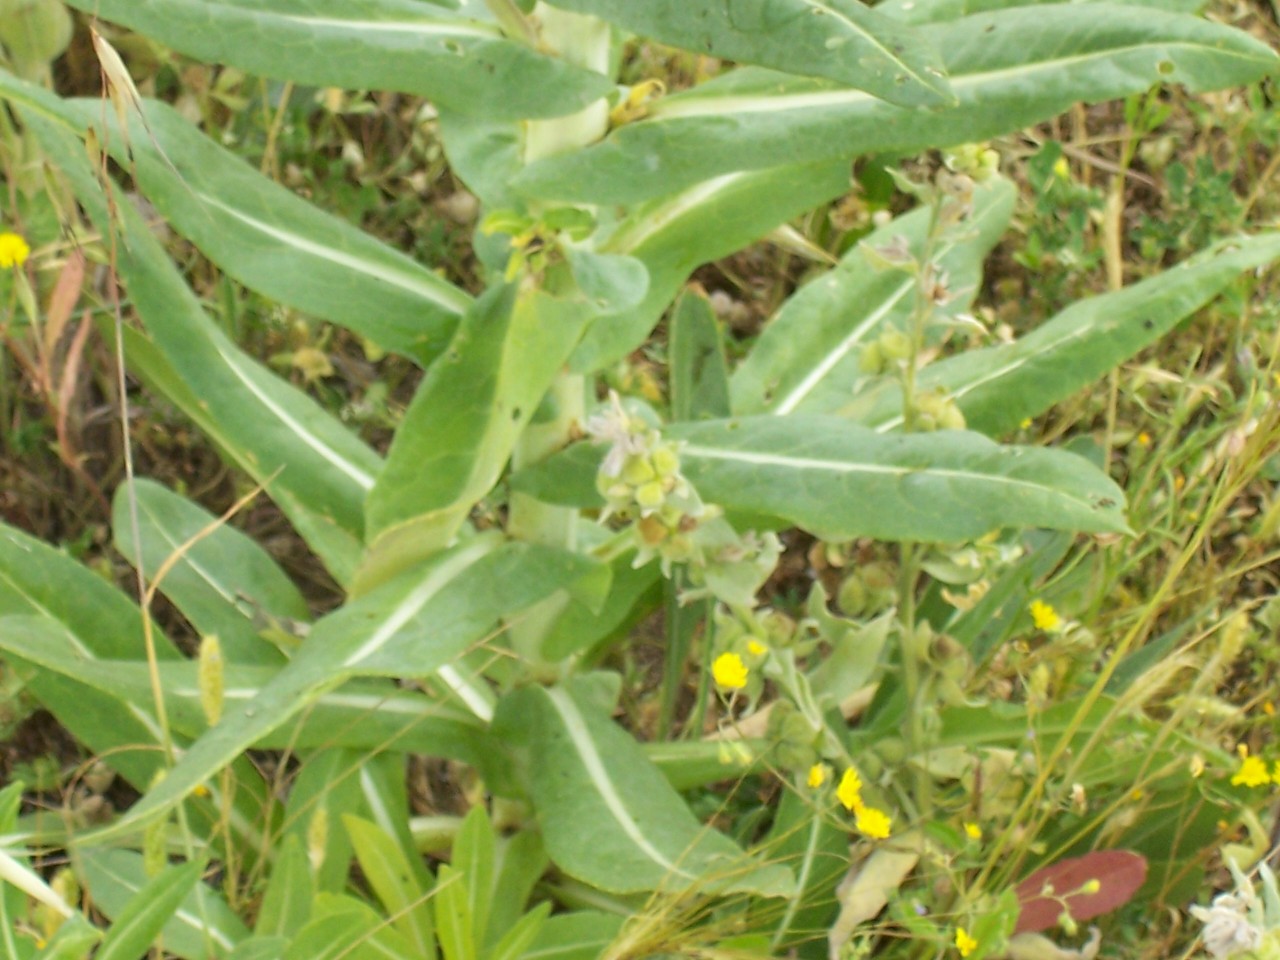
x=965 y=943
x=868 y=821
x=640 y=481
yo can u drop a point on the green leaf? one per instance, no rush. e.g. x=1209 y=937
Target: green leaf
x=273 y=428
x=699 y=368
x=608 y=816
x=579 y=629
x=384 y=865
x=842 y=40
x=121 y=726
x=583 y=935
x=326 y=789
x=454 y=925
x=148 y=911
x=932 y=11
x=286 y=905
x=806 y=838
x=518 y=939
x=259 y=948
x=522 y=860
x=344 y=928
x=676 y=234
x=998 y=387
x=458 y=432
x=370 y=715
x=400 y=45
x=336 y=547
x=840 y=481
x=1009 y=69
x=474 y=850
x=807 y=358
x=223 y=578
x=202 y=925
x=273 y=241
x=411 y=626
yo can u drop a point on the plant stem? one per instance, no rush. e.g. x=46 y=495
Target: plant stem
x=514 y=23
x=583 y=41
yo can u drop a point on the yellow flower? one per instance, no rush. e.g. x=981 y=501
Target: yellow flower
x=849 y=792
x=973 y=831
x=13 y=250
x=817 y=775
x=756 y=648
x=872 y=823
x=729 y=671
x=965 y=943
x=1044 y=616
x=1252 y=772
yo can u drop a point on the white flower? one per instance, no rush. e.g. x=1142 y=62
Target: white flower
x=617 y=427
x=1227 y=928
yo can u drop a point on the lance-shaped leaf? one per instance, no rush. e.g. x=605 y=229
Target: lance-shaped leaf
x=411 y=626
x=273 y=241
x=360 y=714
x=136 y=926
x=676 y=234
x=842 y=40
x=807 y=359
x=223 y=579
x=275 y=429
x=201 y=922
x=1009 y=69
x=68 y=601
x=840 y=481
x=933 y=11
x=336 y=547
x=402 y=45
x=608 y=817
x=998 y=387
x=464 y=420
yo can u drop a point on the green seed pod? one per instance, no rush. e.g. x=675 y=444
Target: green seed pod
x=895 y=345
x=950 y=417
x=638 y=470
x=209 y=676
x=665 y=460
x=871 y=360
x=852 y=597
x=650 y=495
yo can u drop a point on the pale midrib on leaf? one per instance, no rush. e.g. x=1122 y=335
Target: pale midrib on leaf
x=355 y=27
x=411 y=605
x=576 y=727
x=201 y=924
x=444 y=296
x=695 y=105
x=327 y=453
x=843 y=468
x=672 y=211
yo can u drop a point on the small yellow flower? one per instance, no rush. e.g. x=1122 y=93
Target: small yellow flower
x=756 y=648
x=729 y=671
x=13 y=250
x=818 y=775
x=849 y=792
x=1026 y=422
x=1144 y=439
x=872 y=823
x=1252 y=772
x=201 y=791
x=1044 y=616
x=972 y=831
x=1269 y=708
x=965 y=943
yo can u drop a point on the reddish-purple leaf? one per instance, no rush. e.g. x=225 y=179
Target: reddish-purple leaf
x=1066 y=885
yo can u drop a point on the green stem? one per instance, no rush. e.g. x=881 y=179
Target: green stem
x=514 y=23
